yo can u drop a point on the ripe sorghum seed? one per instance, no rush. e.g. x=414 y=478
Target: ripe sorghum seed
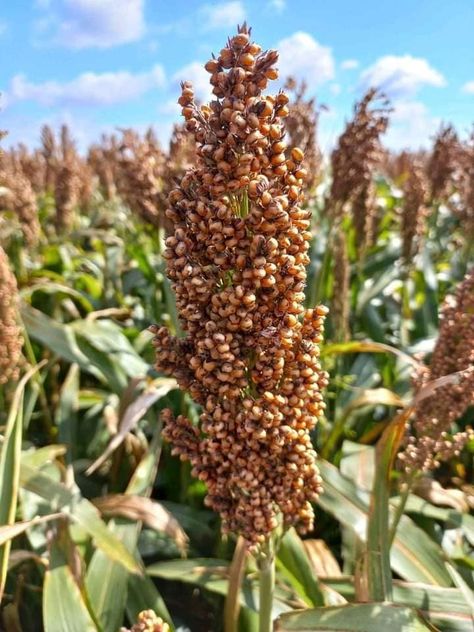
x=247 y=358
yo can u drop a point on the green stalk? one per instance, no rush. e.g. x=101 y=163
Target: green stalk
x=266 y=565
x=400 y=508
x=379 y=574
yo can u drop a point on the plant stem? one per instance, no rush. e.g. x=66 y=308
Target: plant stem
x=266 y=565
x=400 y=509
x=236 y=576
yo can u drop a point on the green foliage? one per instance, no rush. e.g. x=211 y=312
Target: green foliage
x=84 y=430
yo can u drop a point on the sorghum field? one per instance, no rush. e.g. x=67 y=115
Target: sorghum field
x=237 y=375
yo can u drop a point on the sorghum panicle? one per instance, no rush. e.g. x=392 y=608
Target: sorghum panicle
x=465 y=210
x=250 y=355
x=10 y=335
x=32 y=165
x=148 y=621
x=443 y=165
x=358 y=153
x=49 y=151
x=67 y=186
x=429 y=441
x=141 y=176
x=104 y=162
x=302 y=131
x=414 y=210
x=19 y=197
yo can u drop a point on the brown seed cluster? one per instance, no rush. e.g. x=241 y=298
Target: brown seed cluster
x=429 y=442
x=10 y=336
x=49 y=153
x=357 y=155
x=302 y=131
x=237 y=258
x=140 y=181
x=465 y=210
x=444 y=163
x=414 y=210
x=18 y=195
x=103 y=160
x=67 y=184
x=148 y=621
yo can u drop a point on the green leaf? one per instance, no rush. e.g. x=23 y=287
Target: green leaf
x=292 y=561
x=59 y=338
x=366 y=346
x=66 y=413
x=62 y=499
x=414 y=556
x=108 y=582
x=444 y=607
x=60 y=290
x=212 y=575
x=379 y=575
x=10 y=458
x=64 y=607
x=143 y=595
x=367 y=617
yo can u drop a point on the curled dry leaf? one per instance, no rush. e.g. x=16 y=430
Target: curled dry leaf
x=132 y=415
x=148 y=511
x=322 y=561
x=431 y=490
x=10 y=531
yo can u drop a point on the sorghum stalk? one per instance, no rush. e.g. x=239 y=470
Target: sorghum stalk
x=237 y=258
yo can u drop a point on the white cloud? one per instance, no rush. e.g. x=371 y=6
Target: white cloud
x=302 y=57
x=224 y=15
x=170 y=107
x=89 y=88
x=411 y=125
x=278 y=5
x=93 y=23
x=349 y=64
x=335 y=89
x=401 y=76
x=198 y=76
x=468 y=87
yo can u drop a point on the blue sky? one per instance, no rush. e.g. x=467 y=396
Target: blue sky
x=102 y=64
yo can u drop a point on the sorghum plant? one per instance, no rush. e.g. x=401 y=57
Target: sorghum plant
x=414 y=210
x=67 y=186
x=250 y=355
x=302 y=130
x=103 y=160
x=429 y=441
x=19 y=197
x=148 y=621
x=10 y=336
x=358 y=153
x=140 y=177
x=465 y=210
x=49 y=149
x=443 y=164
